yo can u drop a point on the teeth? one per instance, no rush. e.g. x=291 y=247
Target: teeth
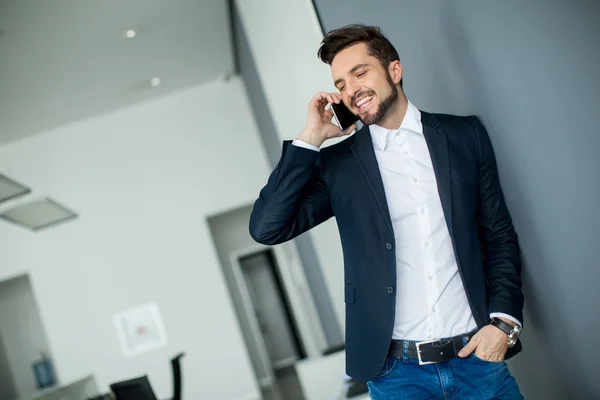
x=362 y=102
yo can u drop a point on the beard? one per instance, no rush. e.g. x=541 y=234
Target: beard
x=384 y=107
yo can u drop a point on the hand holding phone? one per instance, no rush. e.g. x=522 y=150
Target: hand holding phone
x=319 y=127
x=344 y=117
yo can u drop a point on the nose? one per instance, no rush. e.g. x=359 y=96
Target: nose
x=351 y=90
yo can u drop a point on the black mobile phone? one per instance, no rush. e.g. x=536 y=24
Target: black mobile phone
x=343 y=115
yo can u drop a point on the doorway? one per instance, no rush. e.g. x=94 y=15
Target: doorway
x=8 y=390
x=273 y=313
x=22 y=338
x=272 y=301
x=272 y=309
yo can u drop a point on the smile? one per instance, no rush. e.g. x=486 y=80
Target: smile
x=364 y=103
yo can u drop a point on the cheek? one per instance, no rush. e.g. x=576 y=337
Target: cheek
x=346 y=100
x=383 y=91
x=377 y=90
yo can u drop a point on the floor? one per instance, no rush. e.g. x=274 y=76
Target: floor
x=290 y=388
x=288 y=384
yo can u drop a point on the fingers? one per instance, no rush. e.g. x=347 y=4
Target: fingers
x=324 y=98
x=335 y=98
x=469 y=348
x=337 y=132
x=328 y=115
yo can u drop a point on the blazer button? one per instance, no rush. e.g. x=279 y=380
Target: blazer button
x=389 y=246
x=390 y=289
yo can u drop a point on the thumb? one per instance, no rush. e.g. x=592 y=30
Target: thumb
x=469 y=348
x=350 y=129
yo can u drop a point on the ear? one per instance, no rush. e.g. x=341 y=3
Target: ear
x=395 y=71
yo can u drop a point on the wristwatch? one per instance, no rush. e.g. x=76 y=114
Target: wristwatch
x=513 y=332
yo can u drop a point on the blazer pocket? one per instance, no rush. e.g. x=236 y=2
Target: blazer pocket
x=349 y=294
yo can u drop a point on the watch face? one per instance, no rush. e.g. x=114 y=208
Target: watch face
x=516 y=330
x=514 y=336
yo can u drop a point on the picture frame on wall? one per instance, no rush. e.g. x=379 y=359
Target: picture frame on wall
x=140 y=329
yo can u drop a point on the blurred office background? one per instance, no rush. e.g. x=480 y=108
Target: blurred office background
x=135 y=136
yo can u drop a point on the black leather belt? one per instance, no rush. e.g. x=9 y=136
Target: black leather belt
x=430 y=352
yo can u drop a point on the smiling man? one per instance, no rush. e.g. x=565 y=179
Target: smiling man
x=431 y=259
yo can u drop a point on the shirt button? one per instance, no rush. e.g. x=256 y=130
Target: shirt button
x=390 y=289
x=426 y=244
x=429 y=278
x=415 y=180
x=389 y=246
x=405 y=152
x=422 y=210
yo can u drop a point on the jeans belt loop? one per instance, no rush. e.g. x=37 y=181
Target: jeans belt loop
x=405 y=352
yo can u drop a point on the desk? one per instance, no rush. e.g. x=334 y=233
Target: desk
x=79 y=389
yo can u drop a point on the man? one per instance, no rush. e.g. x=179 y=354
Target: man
x=431 y=260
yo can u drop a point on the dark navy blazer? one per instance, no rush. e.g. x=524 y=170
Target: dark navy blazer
x=343 y=180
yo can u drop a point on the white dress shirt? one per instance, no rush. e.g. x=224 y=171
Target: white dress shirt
x=431 y=301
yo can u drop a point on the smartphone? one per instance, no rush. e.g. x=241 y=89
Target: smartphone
x=343 y=115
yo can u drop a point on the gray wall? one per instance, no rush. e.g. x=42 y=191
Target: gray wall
x=246 y=67
x=530 y=71
x=8 y=389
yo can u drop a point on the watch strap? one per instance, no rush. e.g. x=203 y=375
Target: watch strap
x=503 y=326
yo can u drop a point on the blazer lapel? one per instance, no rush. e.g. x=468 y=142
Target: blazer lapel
x=437 y=142
x=362 y=148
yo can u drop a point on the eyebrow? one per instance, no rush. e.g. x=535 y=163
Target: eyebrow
x=353 y=70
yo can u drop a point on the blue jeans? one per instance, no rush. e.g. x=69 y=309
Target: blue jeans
x=461 y=378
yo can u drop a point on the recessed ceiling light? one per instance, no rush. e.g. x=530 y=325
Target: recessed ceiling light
x=130 y=33
x=10 y=189
x=38 y=214
x=154 y=82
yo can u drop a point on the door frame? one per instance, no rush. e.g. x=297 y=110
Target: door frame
x=303 y=309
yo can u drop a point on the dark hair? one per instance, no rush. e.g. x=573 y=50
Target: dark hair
x=339 y=39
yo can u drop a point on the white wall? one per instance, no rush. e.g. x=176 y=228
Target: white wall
x=143 y=180
x=285 y=52
x=22 y=333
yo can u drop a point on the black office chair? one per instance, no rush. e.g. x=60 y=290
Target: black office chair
x=140 y=389
x=133 y=389
x=176 y=368
x=107 y=396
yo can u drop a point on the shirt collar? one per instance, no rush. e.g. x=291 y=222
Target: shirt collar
x=411 y=121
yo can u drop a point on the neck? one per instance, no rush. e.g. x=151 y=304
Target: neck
x=396 y=114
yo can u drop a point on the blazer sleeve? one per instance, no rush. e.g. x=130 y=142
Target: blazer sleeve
x=498 y=237
x=294 y=200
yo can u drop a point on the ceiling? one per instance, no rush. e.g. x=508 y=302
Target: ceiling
x=66 y=60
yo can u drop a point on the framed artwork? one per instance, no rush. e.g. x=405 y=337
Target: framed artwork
x=140 y=329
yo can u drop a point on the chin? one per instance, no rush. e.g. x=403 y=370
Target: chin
x=368 y=115
x=369 y=118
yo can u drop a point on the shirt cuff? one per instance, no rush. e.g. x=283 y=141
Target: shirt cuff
x=304 y=145
x=502 y=315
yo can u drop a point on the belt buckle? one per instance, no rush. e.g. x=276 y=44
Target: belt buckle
x=418 y=345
